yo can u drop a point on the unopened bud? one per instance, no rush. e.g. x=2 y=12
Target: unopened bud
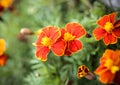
x=26 y=31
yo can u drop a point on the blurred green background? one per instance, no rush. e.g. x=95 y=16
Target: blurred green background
x=22 y=68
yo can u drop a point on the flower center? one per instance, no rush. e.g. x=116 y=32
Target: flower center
x=46 y=41
x=68 y=37
x=114 y=69
x=110 y=66
x=108 y=27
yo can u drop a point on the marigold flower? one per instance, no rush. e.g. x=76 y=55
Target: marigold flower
x=49 y=39
x=3 y=59
x=109 y=66
x=108 y=30
x=2 y=46
x=70 y=34
x=83 y=71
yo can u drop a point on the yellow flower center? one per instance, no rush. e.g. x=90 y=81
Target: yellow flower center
x=46 y=41
x=68 y=37
x=114 y=69
x=109 y=64
x=109 y=27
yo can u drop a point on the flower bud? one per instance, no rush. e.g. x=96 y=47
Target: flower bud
x=26 y=31
x=83 y=71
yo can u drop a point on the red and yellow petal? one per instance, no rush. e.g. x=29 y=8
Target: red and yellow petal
x=58 y=48
x=75 y=29
x=99 y=33
x=102 y=21
x=52 y=32
x=42 y=52
x=112 y=17
x=74 y=45
x=105 y=75
x=41 y=35
x=109 y=39
x=116 y=32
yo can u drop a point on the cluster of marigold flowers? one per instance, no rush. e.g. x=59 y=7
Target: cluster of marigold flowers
x=65 y=41
x=109 y=68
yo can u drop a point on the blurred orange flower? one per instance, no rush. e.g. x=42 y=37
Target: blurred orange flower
x=2 y=46
x=5 y=4
x=48 y=39
x=70 y=34
x=108 y=30
x=3 y=59
x=109 y=66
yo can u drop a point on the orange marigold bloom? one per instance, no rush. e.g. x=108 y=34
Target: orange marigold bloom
x=49 y=39
x=108 y=30
x=2 y=46
x=3 y=59
x=109 y=66
x=70 y=34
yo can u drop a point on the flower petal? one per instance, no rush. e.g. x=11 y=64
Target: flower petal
x=112 y=17
x=74 y=45
x=2 y=46
x=102 y=21
x=107 y=77
x=63 y=31
x=116 y=32
x=109 y=39
x=75 y=29
x=42 y=52
x=67 y=51
x=117 y=24
x=3 y=59
x=41 y=35
x=99 y=33
x=52 y=32
x=59 y=47
x=101 y=69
